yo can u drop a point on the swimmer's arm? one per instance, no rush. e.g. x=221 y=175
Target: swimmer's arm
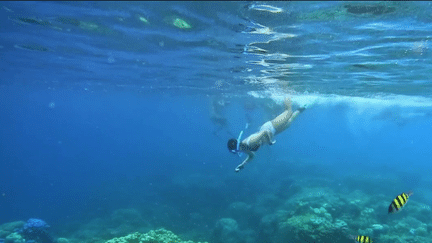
x=250 y=156
x=270 y=136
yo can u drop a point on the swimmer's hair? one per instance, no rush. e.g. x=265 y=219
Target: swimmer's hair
x=232 y=144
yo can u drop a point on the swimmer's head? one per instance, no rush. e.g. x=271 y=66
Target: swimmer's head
x=232 y=145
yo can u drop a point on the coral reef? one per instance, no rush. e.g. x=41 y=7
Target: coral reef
x=62 y=240
x=316 y=226
x=316 y=212
x=9 y=228
x=14 y=238
x=119 y=223
x=322 y=215
x=320 y=212
x=153 y=236
x=228 y=231
x=36 y=230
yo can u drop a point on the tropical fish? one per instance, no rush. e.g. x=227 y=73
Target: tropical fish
x=399 y=202
x=363 y=239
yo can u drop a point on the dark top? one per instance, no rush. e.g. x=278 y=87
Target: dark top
x=254 y=148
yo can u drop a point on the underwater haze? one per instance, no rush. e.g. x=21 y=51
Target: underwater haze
x=115 y=117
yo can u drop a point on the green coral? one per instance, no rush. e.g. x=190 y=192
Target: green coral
x=8 y=228
x=319 y=214
x=403 y=239
x=316 y=226
x=131 y=238
x=309 y=224
x=62 y=240
x=14 y=238
x=153 y=236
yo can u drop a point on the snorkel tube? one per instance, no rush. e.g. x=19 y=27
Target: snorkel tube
x=239 y=141
x=234 y=144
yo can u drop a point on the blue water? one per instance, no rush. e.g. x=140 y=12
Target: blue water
x=100 y=110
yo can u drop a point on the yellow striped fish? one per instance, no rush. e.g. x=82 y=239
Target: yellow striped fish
x=364 y=239
x=399 y=202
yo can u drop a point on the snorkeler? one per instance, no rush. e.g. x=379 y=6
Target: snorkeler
x=265 y=135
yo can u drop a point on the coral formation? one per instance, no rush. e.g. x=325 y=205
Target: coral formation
x=14 y=238
x=36 y=230
x=317 y=226
x=9 y=228
x=322 y=215
x=227 y=230
x=119 y=223
x=62 y=240
x=313 y=214
x=153 y=236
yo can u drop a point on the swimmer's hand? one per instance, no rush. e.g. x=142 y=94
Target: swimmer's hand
x=239 y=168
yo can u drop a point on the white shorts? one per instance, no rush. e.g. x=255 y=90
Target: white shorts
x=269 y=127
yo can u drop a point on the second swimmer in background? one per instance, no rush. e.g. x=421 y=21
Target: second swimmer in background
x=265 y=135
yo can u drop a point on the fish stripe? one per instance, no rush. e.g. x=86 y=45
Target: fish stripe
x=364 y=239
x=396 y=203
x=394 y=206
x=401 y=200
x=403 y=197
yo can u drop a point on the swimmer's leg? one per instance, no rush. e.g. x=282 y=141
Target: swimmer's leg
x=281 y=122
x=296 y=113
x=288 y=105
